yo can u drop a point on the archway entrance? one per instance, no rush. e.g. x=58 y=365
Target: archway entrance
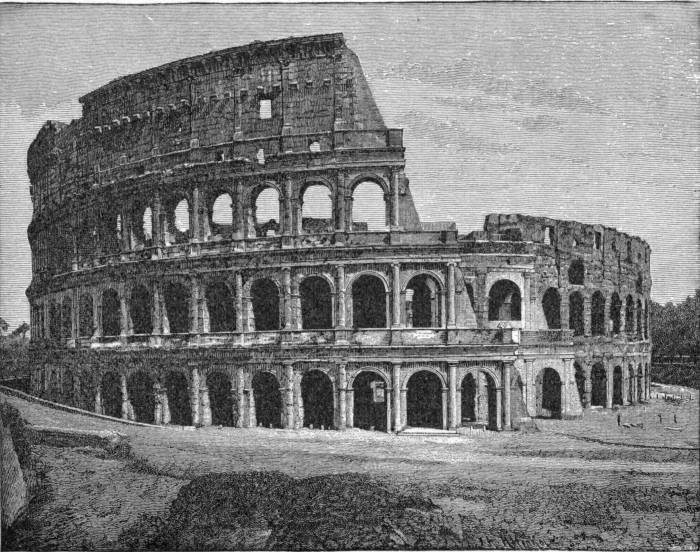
x=266 y=305
x=617 y=385
x=580 y=383
x=177 y=389
x=369 y=409
x=422 y=302
x=469 y=393
x=551 y=305
x=268 y=400
x=177 y=307
x=316 y=304
x=140 y=311
x=479 y=400
x=599 y=385
x=112 y=395
x=368 y=302
x=140 y=389
x=548 y=393
x=424 y=400
x=220 y=399
x=111 y=313
x=317 y=396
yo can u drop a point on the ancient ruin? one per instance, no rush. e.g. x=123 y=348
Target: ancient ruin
x=163 y=292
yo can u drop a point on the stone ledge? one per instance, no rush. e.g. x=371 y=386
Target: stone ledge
x=111 y=441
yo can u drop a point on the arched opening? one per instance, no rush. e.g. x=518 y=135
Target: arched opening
x=548 y=393
x=629 y=315
x=369 y=396
x=639 y=319
x=316 y=210
x=576 y=272
x=111 y=313
x=422 y=302
x=617 y=385
x=599 y=385
x=576 y=313
x=221 y=399
x=316 y=303
x=268 y=400
x=221 y=216
x=177 y=389
x=469 y=394
x=265 y=211
x=85 y=319
x=317 y=397
x=640 y=384
x=598 y=314
x=504 y=301
x=66 y=319
x=266 y=305
x=140 y=310
x=112 y=395
x=369 y=209
x=580 y=377
x=220 y=305
x=177 y=306
x=551 y=305
x=615 y=309
x=180 y=228
x=143 y=401
x=368 y=302
x=424 y=400
x=631 y=395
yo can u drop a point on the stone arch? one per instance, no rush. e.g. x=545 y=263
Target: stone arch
x=265 y=300
x=141 y=396
x=178 y=217
x=629 y=315
x=223 y=408
x=369 y=400
x=551 y=305
x=370 y=201
x=548 y=393
x=369 y=301
x=316 y=208
x=111 y=313
x=576 y=273
x=422 y=301
x=424 y=399
x=599 y=385
x=598 y=313
x=86 y=323
x=221 y=307
x=111 y=392
x=265 y=210
x=221 y=214
x=178 y=391
x=618 y=397
x=631 y=394
x=469 y=398
x=479 y=397
x=317 y=398
x=316 y=296
x=505 y=301
x=140 y=309
x=267 y=398
x=576 y=313
x=615 y=310
x=177 y=306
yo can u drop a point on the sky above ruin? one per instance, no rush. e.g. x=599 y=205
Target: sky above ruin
x=574 y=111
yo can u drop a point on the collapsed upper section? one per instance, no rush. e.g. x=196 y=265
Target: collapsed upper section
x=242 y=104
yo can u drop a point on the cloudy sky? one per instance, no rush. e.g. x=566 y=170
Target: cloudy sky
x=577 y=111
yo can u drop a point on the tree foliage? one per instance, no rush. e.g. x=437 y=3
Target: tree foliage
x=675 y=329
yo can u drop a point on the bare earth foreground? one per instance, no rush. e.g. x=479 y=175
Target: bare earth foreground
x=585 y=484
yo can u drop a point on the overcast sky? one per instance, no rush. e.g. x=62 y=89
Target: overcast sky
x=576 y=111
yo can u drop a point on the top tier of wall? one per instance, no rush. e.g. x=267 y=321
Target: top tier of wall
x=308 y=87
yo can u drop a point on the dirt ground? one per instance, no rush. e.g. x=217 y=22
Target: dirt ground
x=583 y=484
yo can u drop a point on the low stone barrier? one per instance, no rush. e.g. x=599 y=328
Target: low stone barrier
x=111 y=441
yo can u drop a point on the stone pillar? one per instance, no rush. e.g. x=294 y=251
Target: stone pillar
x=240 y=386
x=444 y=408
x=195 y=230
x=609 y=386
x=340 y=296
x=252 y=418
x=340 y=202
x=388 y=398
x=452 y=368
x=587 y=385
x=194 y=306
x=404 y=409
x=350 y=408
x=156 y=227
x=127 y=410
x=498 y=409
x=288 y=220
x=396 y=377
x=75 y=315
x=626 y=399
x=564 y=293
x=451 y=318
x=289 y=393
x=194 y=396
x=587 y=315
x=607 y=326
x=287 y=297
x=342 y=389
x=123 y=313
x=238 y=291
x=507 y=371
x=395 y=185
x=204 y=404
x=634 y=386
x=98 y=399
x=396 y=295
x=239 y=220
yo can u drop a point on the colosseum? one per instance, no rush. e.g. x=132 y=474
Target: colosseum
x=163 y=293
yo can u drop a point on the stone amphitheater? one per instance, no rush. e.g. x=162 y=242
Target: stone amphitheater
x=164 y=291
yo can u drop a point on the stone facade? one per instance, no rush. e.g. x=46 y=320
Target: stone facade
x=148 y=303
